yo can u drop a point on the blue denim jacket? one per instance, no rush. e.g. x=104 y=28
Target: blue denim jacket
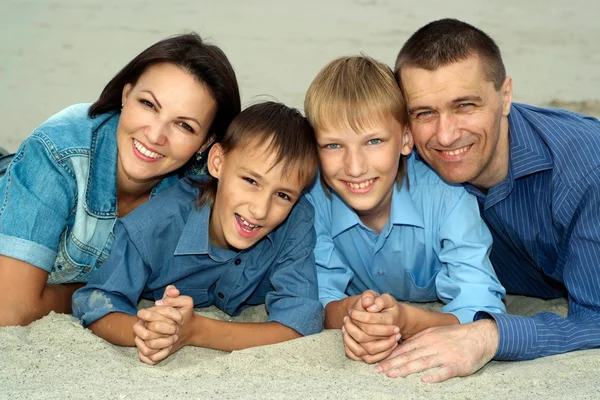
x=58 y=196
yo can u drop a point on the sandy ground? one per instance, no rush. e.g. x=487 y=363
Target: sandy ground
x=60 y=52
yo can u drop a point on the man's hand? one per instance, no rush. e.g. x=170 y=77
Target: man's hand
x=457 y=350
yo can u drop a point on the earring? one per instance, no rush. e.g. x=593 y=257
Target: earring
x=199 y=157
x=122 y=105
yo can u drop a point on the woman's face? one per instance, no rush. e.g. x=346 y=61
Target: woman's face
x=165 y=120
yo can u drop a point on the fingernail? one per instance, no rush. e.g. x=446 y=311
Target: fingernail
x=345 y=318
x=343 y=329
x=377 y=369
x=398 y=336
x=158 y=302
x=396 y=330
x=372 y=308
x=176 y=337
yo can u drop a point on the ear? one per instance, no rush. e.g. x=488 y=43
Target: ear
x=407 y=141
x=216 y=157
x=126 y=90
x=507 y=92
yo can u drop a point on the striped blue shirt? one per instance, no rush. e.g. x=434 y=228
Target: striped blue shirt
x=545 y=221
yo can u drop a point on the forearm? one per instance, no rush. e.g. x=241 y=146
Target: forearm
x=413 y=320
x=336 y=310
x=230 y=336
x=116 y=328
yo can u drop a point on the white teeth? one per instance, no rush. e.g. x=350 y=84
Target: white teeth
x=456 y=152
x=361 y=185
x=248 y=224
x=145 y=151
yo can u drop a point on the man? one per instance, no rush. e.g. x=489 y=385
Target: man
x=536 y=174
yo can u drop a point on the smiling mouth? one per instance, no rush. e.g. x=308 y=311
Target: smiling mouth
x=455 y=152
x=146 y=152
x=360 y=187
x=245 y=225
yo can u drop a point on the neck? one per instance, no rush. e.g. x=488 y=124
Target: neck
x=377 y=217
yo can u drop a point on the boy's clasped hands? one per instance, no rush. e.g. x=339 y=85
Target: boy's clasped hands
x=165 y=328
x=374 y=326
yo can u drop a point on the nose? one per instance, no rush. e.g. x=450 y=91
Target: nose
x=259 y=206
x=355 y=163
x=447 y=132
x=157 y=133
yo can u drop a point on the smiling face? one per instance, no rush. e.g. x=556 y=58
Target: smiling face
x=361 y=167
x=459 y=121
x=253 y=195
x=165 y=120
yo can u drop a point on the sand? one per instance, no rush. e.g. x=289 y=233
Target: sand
x=59 y=52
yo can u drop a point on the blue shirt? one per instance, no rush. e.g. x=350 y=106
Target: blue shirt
x=58 y=199
x=434 y=246
x=545 y=220
x=165 y=241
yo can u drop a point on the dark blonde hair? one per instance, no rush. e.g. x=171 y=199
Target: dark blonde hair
x=286 y=130
x=353 y=92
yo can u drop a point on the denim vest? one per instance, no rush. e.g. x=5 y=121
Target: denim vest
x=58 y=196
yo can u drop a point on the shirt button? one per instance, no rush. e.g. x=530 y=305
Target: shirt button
x=221 y=295
x=238 y=261
x=380 y=272
x=87 y=269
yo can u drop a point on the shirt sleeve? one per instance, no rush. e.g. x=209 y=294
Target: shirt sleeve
x=294 y=302
x=38 y=194
x=333 y=274
x=467 y=282
x=117 y=285
x=544 y=334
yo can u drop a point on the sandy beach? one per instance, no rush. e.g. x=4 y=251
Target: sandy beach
x=56 y=53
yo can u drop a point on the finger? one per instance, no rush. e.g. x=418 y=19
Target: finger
x=355 y=332
x=368 y=317
x=381 y=303
x=444 y=373
x=419 y=364
x=161 y=355
x=375 y=358
x=353 y=349
x=161 y=343
x=177 y=302
x=142 y=348
x=171 y=291
x=145 y=359
x=161 y=314
x=381 y=346
x=140 y=330
x=368 y=298
x=162 y=329
x=377 y=330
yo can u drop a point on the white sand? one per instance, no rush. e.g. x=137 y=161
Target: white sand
x=55 y=53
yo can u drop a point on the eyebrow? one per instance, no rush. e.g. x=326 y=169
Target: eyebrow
x=475 y=99
x=259 y=177
x=154 y=97
x=160 y=106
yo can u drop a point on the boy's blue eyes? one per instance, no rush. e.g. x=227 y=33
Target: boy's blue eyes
x=337 y=146
x=332 y=146
x=374 y=141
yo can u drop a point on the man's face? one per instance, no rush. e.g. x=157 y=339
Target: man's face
x=459 y=121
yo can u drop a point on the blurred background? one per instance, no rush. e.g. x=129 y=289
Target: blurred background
x=59 y=52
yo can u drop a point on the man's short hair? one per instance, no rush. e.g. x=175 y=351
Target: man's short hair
x=448 y=41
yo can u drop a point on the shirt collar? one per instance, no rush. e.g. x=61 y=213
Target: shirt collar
x=528 y=155
x=403 y=212
x=194 y=239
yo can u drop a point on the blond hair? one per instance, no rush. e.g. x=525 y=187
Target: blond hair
x=353 y=93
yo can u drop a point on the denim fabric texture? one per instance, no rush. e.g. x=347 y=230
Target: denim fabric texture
x=58 y=200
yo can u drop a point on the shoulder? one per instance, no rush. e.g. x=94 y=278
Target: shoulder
x=572 y=139
x=168 y=209
x=70 y=128
x=424 y=181
x=297 y=227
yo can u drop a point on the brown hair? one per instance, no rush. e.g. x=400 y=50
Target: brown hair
x=447 y=41
x=206 y=62
x=288 y=133
x=352 y=92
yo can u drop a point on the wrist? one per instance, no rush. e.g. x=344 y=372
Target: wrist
x=490 y=336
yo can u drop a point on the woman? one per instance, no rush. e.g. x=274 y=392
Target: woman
x=88 y=165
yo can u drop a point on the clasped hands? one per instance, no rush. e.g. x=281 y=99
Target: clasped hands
x=165 y=328
x=376 y=323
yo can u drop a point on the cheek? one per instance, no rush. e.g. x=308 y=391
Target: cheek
x=330 y=163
